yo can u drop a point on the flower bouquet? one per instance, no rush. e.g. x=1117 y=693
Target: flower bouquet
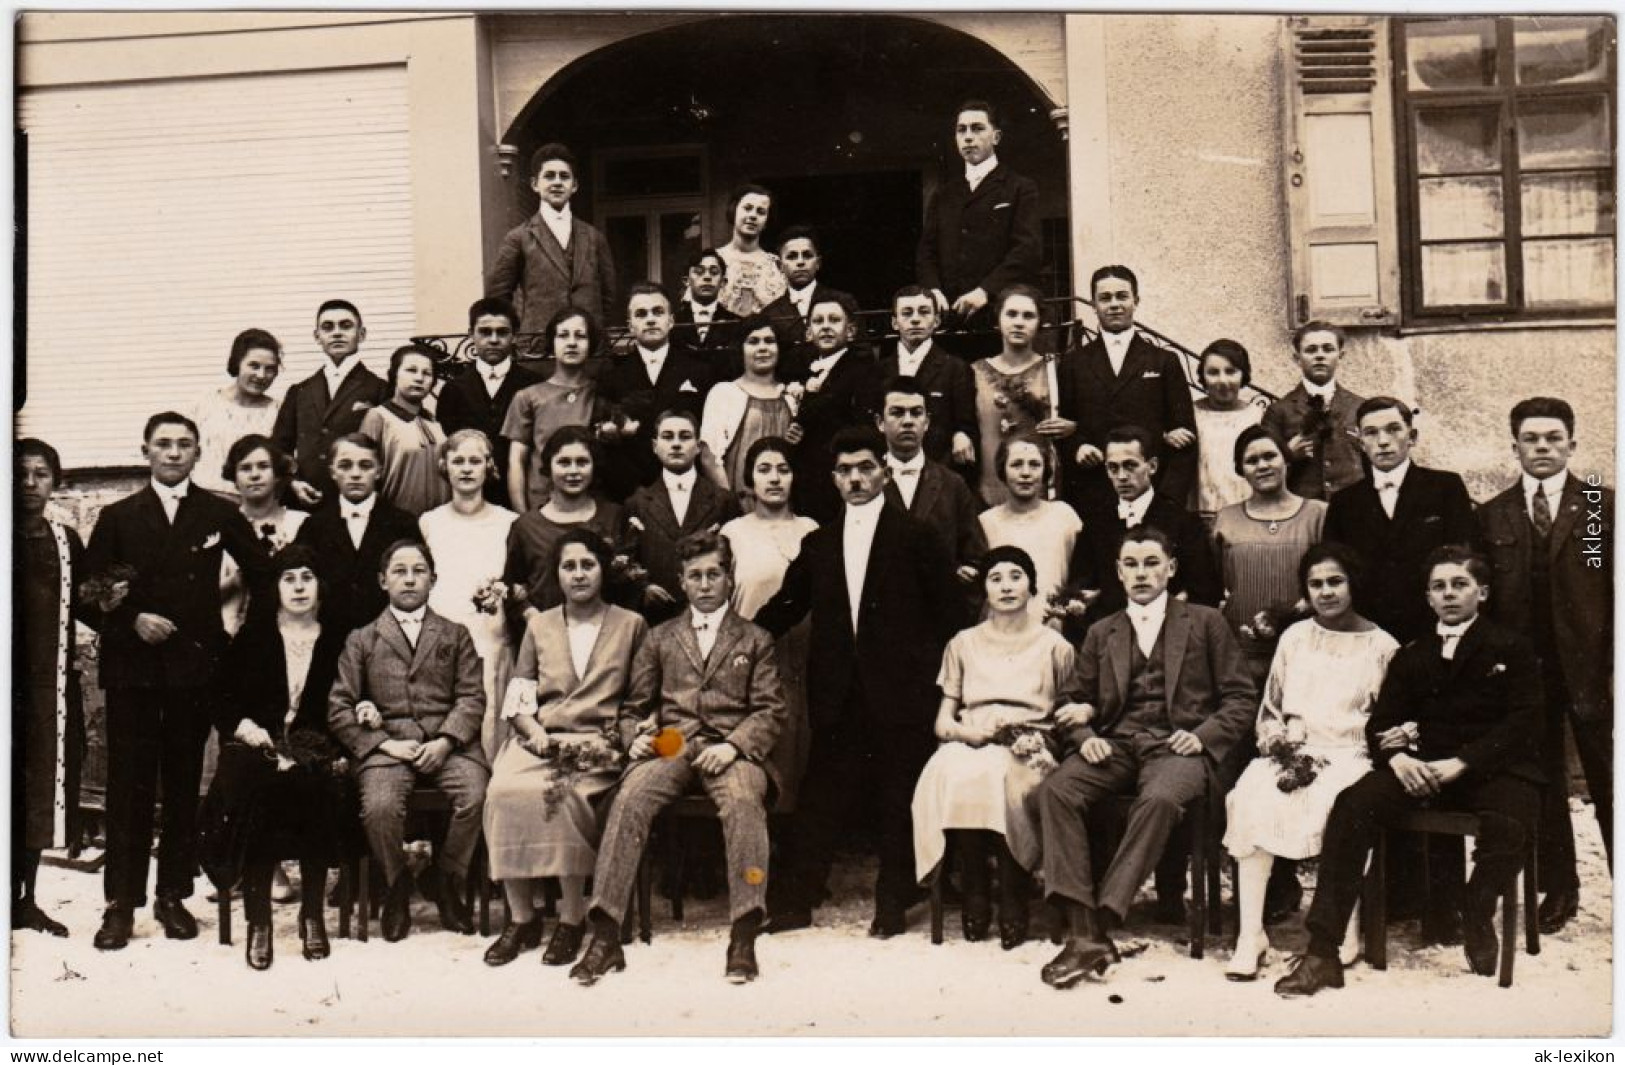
x=491 y=594
x=574 y=758
x=1030 y=745
x=106 y=591
x=1295 y=768
x=1267 y=625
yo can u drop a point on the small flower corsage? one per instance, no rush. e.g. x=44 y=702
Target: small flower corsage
x=490 y=595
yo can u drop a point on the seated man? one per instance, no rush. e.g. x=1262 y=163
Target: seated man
x=408 y=703
x=1456 y=726
x=1166 y=696
x=704 y=705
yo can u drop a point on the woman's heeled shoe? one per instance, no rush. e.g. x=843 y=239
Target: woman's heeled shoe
x=1012 y=930
x=1249 y=957
x=976 y=918
x=565 y=946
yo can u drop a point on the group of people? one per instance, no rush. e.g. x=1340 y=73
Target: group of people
x=960 y=601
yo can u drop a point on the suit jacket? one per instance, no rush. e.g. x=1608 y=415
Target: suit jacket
x=1209 y=691
x=1151 y=392
x=310 y=419
x=943 y=503
x=543 y=278
x=436 y=689
x=1094 y=557
x=950 y=398
x=1483 y=706
x=1338 y=460
x=177 y=576
x=731 y=696
x=1581 y=576
x=1433 y=509
x=656 y=532
x=624 y=383
x=910 y=609
x=719 y=348
x=846 y=397
x=254 y=682
x=464 y=404
x=985 y=239
x=352 y=596
x=792 y=324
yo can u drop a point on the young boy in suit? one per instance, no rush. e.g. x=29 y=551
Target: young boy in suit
x=1471 y=689
x=677 y=504
x=950 y=388
x=701 y=323
x=350 y=532
x=1316 y=419
x=927 y=490
x=329 y=403
x=840 y=391
x=407 y=704
x=704 y=706
x=479 y=396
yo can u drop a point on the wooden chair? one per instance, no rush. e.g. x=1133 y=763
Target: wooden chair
x=693 y=807
x=1374 y=898
x=345 y=902
x=424 y=803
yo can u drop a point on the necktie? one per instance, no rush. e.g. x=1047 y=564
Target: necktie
x=1388 y=494
x=1540 y=511
x=1144 y=633
x=172 y=503
x=1451 y=639
x=410 y=627
x=702 y=633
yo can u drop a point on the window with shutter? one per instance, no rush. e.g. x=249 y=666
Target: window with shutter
x=1340 y=171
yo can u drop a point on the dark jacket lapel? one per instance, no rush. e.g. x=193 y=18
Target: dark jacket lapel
x=1564 y=517
x=390 y=631
x=689 y=640
x=1120 y=653
x=550 y=244
x=925 y=496
x=1176 y=630
x=348 y=388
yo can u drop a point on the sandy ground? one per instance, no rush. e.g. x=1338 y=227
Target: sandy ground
x=828 y=981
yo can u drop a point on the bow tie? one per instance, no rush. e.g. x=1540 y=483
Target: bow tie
x=703 y=625
x=1126 y=511
x=1388 y=483
x=1452 y=632
x=906 y=471
x=355 y=515
x=819 y=367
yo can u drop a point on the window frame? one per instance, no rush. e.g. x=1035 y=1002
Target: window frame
x=1506 y=96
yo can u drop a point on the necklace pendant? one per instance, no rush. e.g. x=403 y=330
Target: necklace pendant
x=1275 y=527
x=570 y=397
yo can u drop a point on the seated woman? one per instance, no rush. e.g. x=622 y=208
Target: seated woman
x=1002 y=682
x=1221 y=415
x=1047 y=529
x=572 y=459
x=1311 y=741
x=281 y=789
x=552 y=779
x=410 y=438
x=740 y=412
x=568 y=397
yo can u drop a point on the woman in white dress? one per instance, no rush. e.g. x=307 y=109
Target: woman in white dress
x=755 y=278
x=1046 y=529
x=765 y=541
x=1221 y=415
x=1002 y=682
x=469 y=539
x=1311 y=738
x=227 y=414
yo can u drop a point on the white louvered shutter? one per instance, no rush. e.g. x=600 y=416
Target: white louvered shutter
x=166 y=217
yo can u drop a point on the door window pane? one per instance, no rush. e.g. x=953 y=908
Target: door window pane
x=1560 y=49
x=1455 y=275
x=680 y=238
x=1554 y=134
x=1458 y=141
x=628 y=237
x=1555 y=204
x=1461 y=208
x=1451 y=54
x=1568 y=273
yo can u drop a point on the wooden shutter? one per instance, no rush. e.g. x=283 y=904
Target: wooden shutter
x=1340 y=184
x=164 y=217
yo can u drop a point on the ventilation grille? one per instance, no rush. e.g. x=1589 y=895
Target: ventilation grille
x=1335 y=60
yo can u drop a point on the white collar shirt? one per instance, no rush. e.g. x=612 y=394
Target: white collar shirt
x=906 y=476
x=976 y=173
x=1451 y=636
x=1326 y=391
x=706 y=627
x=336 y=374
x=1552 y=486
x=802 y=298
x=653 y=360
x=1389 y=484
x=171 y=495
x=1117 y=345
x=492 y=376
x=1147 y=621
x=857 y=539
x=1132 y=511
x=558 y=222
x=909 y=362
x=679 y=489
x=411 y=623
x=356 y=516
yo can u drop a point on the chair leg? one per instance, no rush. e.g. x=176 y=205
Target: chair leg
x=1197 y=916
x=936 y=899
x=1531 y=897
x=1215 y=893
x=480 y=884
x=1509 y=932
x=225 y=918
x=363 y=913
x=646 y=897
x=1376 y=904
x=345 y=900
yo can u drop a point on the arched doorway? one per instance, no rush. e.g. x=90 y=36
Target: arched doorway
x=846 y=117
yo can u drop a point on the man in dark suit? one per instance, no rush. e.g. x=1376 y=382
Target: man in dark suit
x=554 y=260
x=801 y=261
x=1162 y=696
x=658 y=375
x=349 y=534
x=840 y=384
x=701 y=323
x=1548 y=540
x=950 y=388
x=927 y=490
x=1130 y=462
x=161 y=644
x=1121 y=378
x=1396 y=519
x=1456 y=726
x=1316 y=419
x=981 y=230
x=478 y=397
x=329 y=403
x=881 y=594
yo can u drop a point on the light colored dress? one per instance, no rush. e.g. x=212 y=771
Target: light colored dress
x=1320 y=691
x=536 y=413
x=221 y=422
x=543 y=817
x=411 y=478
x=1217 y=483
x=1048 y=534
x=1006 y=404
x=763 y=417
x=1001 y=680
x=762 y=551
x=468 y=551
x=754 y=280
x=1260 y=567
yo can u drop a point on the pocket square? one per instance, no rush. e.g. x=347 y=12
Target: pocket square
x=1151 y=373
x=360 y=404
x=934 y=395
x=1432 y=518
x=687 y=386
x=1000 y=206
x=209 y=542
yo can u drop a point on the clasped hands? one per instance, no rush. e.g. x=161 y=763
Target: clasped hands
x=425 y=757
x=1424 y=779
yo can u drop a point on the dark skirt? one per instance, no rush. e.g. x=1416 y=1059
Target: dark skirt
x=35 y=767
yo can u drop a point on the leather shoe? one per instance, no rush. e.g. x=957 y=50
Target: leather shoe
x=259 y=947
x=1012 y=929
x=1478 y=938
x=397 y=918
x=313 y=938
x=742 y=967
x=27 y=915
x=893 y=921
x=453 y=906
x=1556 y=910
x=514 y=939
x=604 y=956
x=789 y=919
x=117 y=924
x=1310 y=973
x=173 y=916
x=565 y=946
x=1077 y=959
x=1283 y=901
x=976 y=918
